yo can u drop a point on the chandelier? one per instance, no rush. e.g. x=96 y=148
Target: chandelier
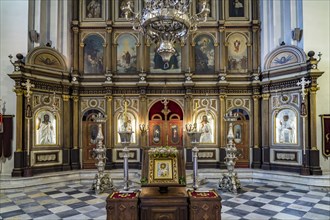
x=166 y=21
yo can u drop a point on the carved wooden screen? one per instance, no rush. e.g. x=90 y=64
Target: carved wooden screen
x=241 y=139
x=89 y=133
x=174 y=131
x=157 y=133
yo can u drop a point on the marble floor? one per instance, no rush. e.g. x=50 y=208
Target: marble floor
x=75 y=200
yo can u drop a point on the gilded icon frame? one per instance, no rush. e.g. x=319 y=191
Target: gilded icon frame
x=156 y=172
x=285 y=120
x=54 y=127
x=85 y=14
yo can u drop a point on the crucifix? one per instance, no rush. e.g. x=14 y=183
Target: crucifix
x=303 y=114
x=303 y=83
x=166 y=111
x=28 y=86
x=28 y=114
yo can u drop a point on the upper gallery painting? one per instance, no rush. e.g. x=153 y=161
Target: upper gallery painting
x=93 y=10
x=93 y=54
x=126 y=53
x=204 y=54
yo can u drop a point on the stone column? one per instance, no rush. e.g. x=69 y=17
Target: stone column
x=76 y=44
x=19 y=154
x=314 y=153
x=222 y=137
x=255 y=46
x=109 y=134
x=265 y=131
x=66 y=119
x=66 y=132
x=75 y=122
x=222 y=47
x=143 y=111
x=108 y=47
x=19 y=120
x=187 y=112
x=256 y=163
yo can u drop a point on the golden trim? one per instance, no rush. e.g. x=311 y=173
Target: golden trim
x=296 y=141
x=65 y=98
x=265 y=96
x=169 y=174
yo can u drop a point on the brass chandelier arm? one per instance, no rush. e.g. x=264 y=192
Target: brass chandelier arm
x=165 y=21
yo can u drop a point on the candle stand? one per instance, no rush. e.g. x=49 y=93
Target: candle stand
x=125 y=137
x=194 y=136
x=229 y=181
x=102 y=182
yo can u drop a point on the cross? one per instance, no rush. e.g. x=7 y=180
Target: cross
x=303 y=83
x=28 y=86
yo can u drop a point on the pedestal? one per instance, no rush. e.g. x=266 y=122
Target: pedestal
x=204 y=205
x=172 y=205
x=122 y=206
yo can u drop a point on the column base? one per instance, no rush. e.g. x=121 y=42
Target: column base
x=256 y=163
x=314 y=162
x=27 y=172
x=305 y=171
x=18 y=164
x=75 y=162
x=17 y=172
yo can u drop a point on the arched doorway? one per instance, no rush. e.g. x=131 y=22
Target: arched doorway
x=89 y=133
x=241 y=137
x=165 y=124
x=165 y=129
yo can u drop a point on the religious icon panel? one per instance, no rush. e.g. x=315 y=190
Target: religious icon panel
x=126 y=53
x=175 y=133
x=45 y=128
x=204 y=54
x=285 y=127
x=157 y=65
x=93 y=10
x=93 y=54
x=156 y=133
x=237 y=10
x=126 y=124
x=237 y=53
x=206 y=125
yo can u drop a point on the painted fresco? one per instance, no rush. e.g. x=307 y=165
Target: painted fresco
x=93 y=9
x=204 y=54
x=237 y=53
x=157 y=65
x=126 y=53
x=93 y=54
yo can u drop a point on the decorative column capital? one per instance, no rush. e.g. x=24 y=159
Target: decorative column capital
x=256 y=97
x=65 y=98
x=75 y=98
x=108 y=98
x=265 y=96
x=18 y=92
x=222 y=97
x=314 y=89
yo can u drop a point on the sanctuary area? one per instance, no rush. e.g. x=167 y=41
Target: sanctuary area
x=166 y=106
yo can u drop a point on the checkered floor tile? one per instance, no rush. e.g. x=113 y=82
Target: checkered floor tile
x=77 y=201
